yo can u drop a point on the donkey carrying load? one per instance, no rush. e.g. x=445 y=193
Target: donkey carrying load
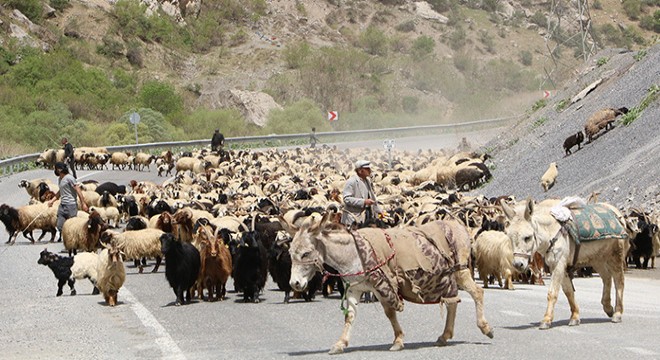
x=425 y=264
x=571 y=234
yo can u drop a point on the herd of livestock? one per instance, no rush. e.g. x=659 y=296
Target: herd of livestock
x=220 y=216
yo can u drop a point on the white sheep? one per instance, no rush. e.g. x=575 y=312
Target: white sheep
x=85 y=266
x=185 y=163
x=111 y=273
x=549 y=177
x=137 y=244
x=493 y=252
x=141 y=160
x=110 y=214
x=119 y=160
x=33 y=187
x=80 y=233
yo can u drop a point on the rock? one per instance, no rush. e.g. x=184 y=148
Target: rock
x=49 y=11
x=424 y=10
x=25 y=39
x=254 y=106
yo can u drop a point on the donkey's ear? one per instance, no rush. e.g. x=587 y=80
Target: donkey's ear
x=508 y=211
x=529 y=209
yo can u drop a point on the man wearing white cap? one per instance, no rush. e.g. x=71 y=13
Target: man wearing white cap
x=360 y=203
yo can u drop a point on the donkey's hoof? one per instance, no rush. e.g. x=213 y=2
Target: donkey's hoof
x=574 y=322
x=396 y=346
x=490 y=334
x=544 y=326
x=441 y=341
x=336 y=349
x=616 y=318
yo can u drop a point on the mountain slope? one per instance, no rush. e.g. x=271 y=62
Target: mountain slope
x=623 y=165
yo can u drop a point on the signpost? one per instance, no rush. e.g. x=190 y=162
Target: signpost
x=388 y=144
x=333 y=116
x=135 y=119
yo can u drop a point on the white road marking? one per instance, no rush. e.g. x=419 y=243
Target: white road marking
x=168 y=348
x=641 y=351
x=512 y=313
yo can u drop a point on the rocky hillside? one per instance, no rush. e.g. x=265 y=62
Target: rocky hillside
x=621 y=165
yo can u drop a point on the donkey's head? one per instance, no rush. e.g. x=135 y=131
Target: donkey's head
x=521 y=233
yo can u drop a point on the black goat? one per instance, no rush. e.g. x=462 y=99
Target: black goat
x=573 y=140
x=642 y=244
x=112 y=188
x=251 y=267
x=61 y=267
x=279 y=266
x=181 y=266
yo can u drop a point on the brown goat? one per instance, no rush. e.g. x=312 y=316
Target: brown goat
x=602 y=119
x=216 y=264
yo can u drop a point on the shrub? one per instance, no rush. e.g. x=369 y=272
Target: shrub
x=240 y=37
x=59 y=4
x=539 y=19
x=374 y=41
x=487 y=40
x=597 y=5
x=296 y=118
x=161 y=97
x=134 y=55
x=601 y=61
x=539 y=104
x=201 y=123
x=441 y=5
x=651 y=23
x=296 y=54
x=410 y=104
x=457 y=38
x=406 y=26
x=562 y=104
x=422 y=46
x=110 y=48
x=30 y=8
x=632 y=8
x=540 y=121
x=526 y=58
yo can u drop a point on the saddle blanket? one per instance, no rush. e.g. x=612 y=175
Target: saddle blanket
x=595 y=222
x=421 y=269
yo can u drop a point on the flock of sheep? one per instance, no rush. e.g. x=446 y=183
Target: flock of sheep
x=227 y=213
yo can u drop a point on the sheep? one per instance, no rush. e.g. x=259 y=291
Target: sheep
x=49 y=157
x=61 y=268
x=575 y=139
x=165 y=168
x=111 y=273
x=549 y=177
x=137 y=244
x=110 y=215
x=141 y=160
x=136 y=223
x=37 y=187
x=185 y=163
x=27 y=218
x=107 y=200
x=85 y=266
x=182 y=266
x=216 y=265
x=493 y=252
x=602 y=119
x=67 y=269
x=80 y=233
x=119 y=160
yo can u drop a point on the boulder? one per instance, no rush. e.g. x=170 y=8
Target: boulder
x=424 y=10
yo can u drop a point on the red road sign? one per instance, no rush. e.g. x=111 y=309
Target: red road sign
x=333 y=116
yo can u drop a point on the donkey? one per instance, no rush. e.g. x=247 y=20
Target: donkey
x=533 y=229
x=323 y=242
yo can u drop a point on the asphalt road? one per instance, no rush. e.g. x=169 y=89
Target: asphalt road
x=146 y=325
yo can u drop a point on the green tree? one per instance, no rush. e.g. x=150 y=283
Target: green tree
x=161 y=97
x=422 y=47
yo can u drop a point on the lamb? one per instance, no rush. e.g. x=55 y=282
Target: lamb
x=182 y=266
x=602 y=119
x=61 y=267
x=137 y=244
x=67 y=269
x=27 y=218
x=111 y=273
x=80 y=233
x=493 y=253
x=110 y=215
x=549 y=177
x=575 y=139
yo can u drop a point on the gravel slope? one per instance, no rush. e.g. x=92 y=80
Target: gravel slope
x=622 y=164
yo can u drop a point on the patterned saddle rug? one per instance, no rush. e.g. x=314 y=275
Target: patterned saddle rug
x=595 y=222
x=415 y=264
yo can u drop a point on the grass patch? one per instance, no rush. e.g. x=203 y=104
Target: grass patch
x=562 y=104
x=540 y=121
x=636 y=111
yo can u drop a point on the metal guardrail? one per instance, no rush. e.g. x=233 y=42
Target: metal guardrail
x=22 y=162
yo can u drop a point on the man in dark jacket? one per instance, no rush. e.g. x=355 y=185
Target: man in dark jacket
x=218 y=141
x=68 y=156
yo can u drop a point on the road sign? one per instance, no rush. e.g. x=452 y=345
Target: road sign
x=333 y=116
x=134 y=118
x=388 y=144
